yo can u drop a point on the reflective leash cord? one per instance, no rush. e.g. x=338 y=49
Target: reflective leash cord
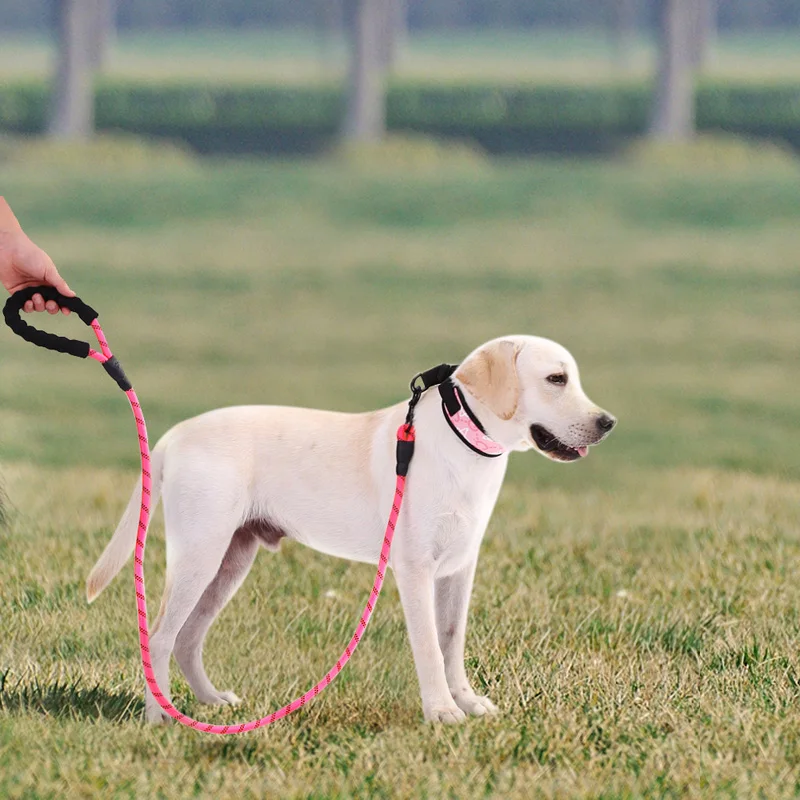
x=405 y=451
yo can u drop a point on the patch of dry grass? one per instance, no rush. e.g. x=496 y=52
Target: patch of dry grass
x=112 y=152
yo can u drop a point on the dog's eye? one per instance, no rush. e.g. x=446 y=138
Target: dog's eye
x=559 y=379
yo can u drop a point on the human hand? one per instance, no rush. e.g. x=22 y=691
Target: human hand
x=23 y=264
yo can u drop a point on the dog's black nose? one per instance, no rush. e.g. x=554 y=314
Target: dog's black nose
x=606 y=422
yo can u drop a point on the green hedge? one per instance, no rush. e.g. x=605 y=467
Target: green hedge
x=530 y=118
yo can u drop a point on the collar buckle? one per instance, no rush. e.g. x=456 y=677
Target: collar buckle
x=423 y=381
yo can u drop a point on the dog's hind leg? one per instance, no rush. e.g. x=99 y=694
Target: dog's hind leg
x=189 y=645
x=197 y=540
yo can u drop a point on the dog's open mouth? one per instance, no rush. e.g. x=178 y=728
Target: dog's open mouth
x=553 y=447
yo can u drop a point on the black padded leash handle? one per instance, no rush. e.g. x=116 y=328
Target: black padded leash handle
x=50 y=341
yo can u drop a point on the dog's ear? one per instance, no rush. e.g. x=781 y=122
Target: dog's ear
x=491 y=376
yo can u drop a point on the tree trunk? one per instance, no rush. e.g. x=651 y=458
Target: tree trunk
x=623 y=31
x=72 y=104
x=704 y=31
x=673 y=104
x=365 y=117
x=102 y=31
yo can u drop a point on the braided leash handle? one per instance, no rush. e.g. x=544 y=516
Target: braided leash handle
x=405 y=449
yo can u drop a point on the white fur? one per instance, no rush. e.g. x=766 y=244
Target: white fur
x=327 y=480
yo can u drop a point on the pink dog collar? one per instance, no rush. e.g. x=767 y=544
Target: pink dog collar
x=465 y=424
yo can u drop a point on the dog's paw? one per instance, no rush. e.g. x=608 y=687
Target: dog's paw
x=448 y=714
x=226 y=699
x=155 y=715
x=475 y=705
x=213 y=697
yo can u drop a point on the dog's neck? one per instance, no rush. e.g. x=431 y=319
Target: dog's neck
x=464 y=424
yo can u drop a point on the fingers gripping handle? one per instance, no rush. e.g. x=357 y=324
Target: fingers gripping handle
x=61 y=344
x=17 y=300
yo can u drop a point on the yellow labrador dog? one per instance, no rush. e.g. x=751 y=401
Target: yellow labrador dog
x=237 y=478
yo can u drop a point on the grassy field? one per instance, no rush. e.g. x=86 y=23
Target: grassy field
x=635 y=617
x=299 y=57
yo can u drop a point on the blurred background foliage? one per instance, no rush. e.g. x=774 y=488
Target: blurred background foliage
x=422 y=15
x=515 y=77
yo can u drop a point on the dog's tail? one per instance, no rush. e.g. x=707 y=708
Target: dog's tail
x=122 y=543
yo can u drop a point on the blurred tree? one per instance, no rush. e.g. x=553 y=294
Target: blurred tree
x=428 y=14
x=365 y=115
x=72 y=103
x=101 y=35
x=672 y=117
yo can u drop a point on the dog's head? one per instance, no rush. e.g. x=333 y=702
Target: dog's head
x=532 y=392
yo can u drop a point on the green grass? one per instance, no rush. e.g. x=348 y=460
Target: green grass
x=635 y=616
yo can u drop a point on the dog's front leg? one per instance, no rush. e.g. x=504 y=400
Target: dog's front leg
x=452 y=601
x=417 y=596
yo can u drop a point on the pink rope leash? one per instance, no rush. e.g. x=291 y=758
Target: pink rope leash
x=404 y=433
x=405 y=450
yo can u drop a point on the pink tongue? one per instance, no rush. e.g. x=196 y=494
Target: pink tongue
x=582 y=451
